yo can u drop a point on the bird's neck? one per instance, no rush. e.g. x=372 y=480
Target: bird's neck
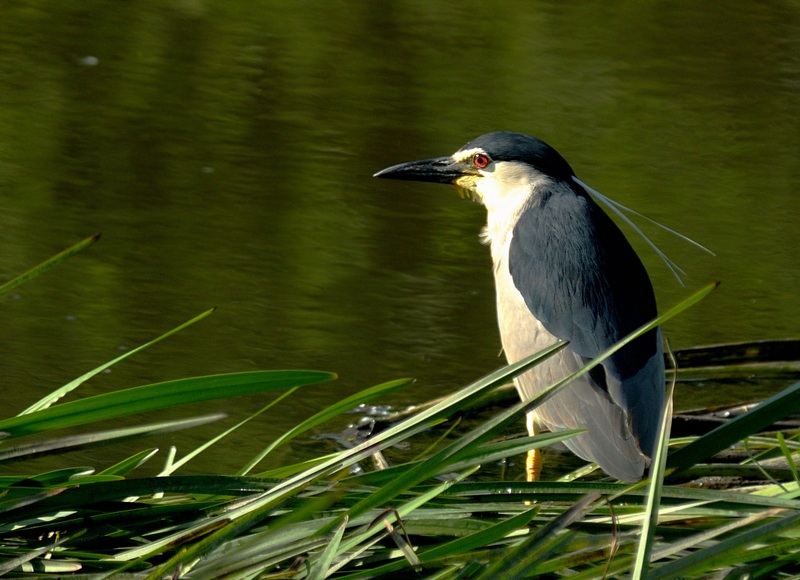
x=497 y=232
x=503 y=214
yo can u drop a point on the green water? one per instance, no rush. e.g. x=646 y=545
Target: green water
x=225 y=151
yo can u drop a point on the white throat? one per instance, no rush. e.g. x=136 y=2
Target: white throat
x=506 y=191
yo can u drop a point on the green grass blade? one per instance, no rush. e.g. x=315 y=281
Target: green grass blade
x=520 y=562
x=491 y=452
x=218 y=530
x=89 y=440
x=321 y=566
x=481 y=538
x=129 y=464
x=97 y=493
x=197 y=451
x=726 y=553
x=773 y=409
x=647 y=535
x=286 y=471
x=350 y=546
x=47 y=264
x=58 y=477
x=772 y=558
x=788 y=455
x=482 y=455
x=705 y=536
x=158 y=396
x=12 y=563
x=75 y=383
x=334 y=410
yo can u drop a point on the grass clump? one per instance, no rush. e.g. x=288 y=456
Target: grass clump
x=424 y=516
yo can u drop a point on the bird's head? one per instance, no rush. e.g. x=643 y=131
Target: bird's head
x=500 y=169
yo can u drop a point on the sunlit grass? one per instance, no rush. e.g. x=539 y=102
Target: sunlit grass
x=427 y=515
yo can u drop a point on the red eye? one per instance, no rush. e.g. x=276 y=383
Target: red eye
x=480 y=160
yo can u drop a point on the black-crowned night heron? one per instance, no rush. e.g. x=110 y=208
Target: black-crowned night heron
x=563 y=270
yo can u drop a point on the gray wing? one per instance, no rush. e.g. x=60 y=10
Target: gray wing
x=583 y=281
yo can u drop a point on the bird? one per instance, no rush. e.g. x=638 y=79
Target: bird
x=564 y=271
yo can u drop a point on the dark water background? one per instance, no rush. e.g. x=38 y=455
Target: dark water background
x=225 y=151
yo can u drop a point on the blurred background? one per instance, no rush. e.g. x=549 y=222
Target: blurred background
x=225 y=151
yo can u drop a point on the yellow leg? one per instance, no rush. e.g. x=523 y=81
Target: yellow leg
x=533 y=464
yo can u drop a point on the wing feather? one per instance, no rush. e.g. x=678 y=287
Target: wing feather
x=582 y=280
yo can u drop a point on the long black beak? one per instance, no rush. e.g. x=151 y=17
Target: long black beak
x=437 y=170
